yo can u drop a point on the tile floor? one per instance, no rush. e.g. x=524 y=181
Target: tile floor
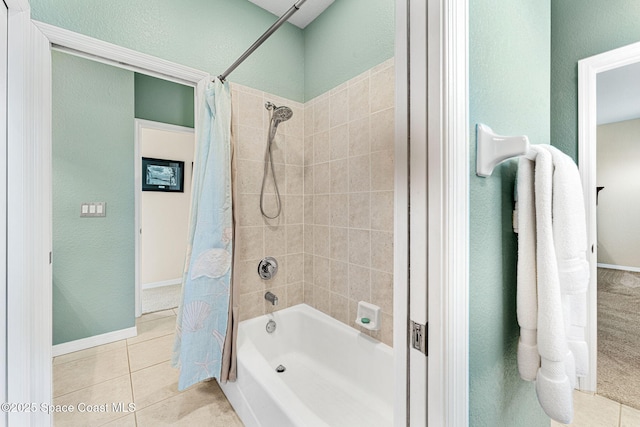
x=136 y=370
x=597 y=411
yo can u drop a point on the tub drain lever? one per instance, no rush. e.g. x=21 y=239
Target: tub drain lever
x=280 y=369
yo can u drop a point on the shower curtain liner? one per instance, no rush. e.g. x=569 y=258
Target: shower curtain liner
x=206 y=326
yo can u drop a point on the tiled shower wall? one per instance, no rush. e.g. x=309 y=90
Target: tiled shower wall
x=334 y=164
x=348 y=198
x=281 y=238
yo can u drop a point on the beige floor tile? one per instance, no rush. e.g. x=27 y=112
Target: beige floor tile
x=127 y=421
x=153 y=384
x=77 y=374
x=204 y=404
x=151 y=352
x=629 y=417
x=155 y=315
x=594 y=411
x=89 y=352
x=154 y=329
x=117 y=390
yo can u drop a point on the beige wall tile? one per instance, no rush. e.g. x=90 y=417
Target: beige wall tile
x=249 y=176
x=383 y=88
x=295 y=268
x=322 y=178
x=249 y=243
x=308 y=238
x=321 y=115
x=280 y=279
x=382 y=290
x=321 y=272
x=246 y=277
x=360 y=247
x=339 y=176
x=321 y=209
x=382 y=130
x=308 y=179
x=295 y=239
x=295 y=294
x=339 y=142
x=382 y=210
x=295 y=150
x=308 y=294
x=308 y=121
x=308 y=268
x=359 y=283
x=359 y=174
x=251 y=143
x=339 y=244
x=321 y=241
x=359 y=211
x=281 y=293
x=322 y=147
x=382 y=251
x=308 y=150
x=250 y=110
x=322 y=299
x=251 y=305
x=340 y=277
x=339 y=308
x=295 y=125
x=339 y=107
x=339 y=210
x=383 y=171
x=248 y=207
x=359 y=137
x=294 y=209
x=295 y=179
x=359 y=99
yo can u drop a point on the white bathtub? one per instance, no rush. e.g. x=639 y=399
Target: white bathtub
x=335 y=376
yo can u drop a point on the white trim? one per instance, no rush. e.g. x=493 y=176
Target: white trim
x=162 y=284
x=4 y=53
x=18 y=5
x=619 y=267
x=588 y=70
x=137 y=176
x=94 y=341
x=401 y=218
x=119 y=56
x=28 y=219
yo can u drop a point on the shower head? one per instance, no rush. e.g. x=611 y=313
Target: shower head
x=281 y=114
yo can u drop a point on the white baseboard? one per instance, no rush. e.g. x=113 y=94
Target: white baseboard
x=161 y=284
x=94 y=341
x=619 y=267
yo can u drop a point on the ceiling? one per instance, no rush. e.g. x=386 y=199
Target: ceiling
x=618 y=94
x=309 y=11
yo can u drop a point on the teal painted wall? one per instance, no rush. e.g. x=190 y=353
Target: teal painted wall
x=163 y=101
x=93 y=258
x=205 y=34
x=580 y=29
x=509 y=55
x=350 y=37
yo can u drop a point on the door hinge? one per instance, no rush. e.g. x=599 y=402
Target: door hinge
x=419 y=337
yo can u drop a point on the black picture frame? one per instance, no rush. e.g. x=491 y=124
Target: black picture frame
x=162 y=175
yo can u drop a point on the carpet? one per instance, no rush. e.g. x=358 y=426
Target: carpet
x=619 y=336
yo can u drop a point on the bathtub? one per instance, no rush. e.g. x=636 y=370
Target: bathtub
x=335 y=375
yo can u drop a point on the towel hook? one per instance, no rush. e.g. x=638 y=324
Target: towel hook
x=492 y=149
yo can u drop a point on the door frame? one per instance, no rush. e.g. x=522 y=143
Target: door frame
x=432 y=153
x=141 y=124
x=588 y=70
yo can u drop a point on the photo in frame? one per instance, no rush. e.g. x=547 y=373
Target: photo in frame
x=162 y=175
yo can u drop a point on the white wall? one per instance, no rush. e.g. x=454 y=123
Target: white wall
x=165 y=216
x=618 y=212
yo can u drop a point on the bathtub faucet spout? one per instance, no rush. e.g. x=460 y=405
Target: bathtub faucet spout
x=271 y=298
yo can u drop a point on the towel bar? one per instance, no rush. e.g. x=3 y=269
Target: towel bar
x=492 y=149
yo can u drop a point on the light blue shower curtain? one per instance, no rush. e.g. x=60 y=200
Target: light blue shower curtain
x=203 y=315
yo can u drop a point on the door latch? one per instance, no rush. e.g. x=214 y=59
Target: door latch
x=419 y=337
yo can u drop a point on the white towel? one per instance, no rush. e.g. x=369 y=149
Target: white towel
x=570 y=240
x=551 y=277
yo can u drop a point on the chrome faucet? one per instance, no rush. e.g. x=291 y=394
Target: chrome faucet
x=271 y=298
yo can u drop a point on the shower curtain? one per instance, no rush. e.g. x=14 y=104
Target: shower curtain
x=205 y=324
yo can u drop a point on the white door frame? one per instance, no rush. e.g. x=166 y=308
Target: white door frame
x=4 y=33
x=432 y=152
x=588 y=70
x=141 y=124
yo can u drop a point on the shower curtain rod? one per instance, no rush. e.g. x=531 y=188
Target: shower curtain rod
x=272 y=29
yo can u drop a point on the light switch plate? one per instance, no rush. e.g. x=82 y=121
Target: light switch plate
x=93 y=209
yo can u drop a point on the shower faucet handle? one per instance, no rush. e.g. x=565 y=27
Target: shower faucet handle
x=267 y=268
